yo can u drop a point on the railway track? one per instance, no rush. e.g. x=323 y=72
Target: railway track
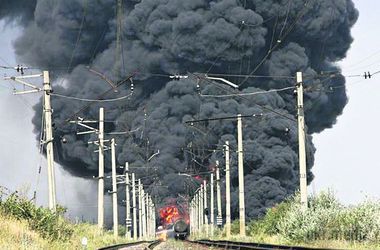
x=223 y=244
x=147 y=245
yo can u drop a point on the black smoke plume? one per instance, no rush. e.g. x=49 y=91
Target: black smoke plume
x=164 y=37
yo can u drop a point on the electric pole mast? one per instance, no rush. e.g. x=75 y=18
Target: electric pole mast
x=212 y=202
x=143 y=212
x=228 y=192
x=48 y=129
x=134 y=210
x=205 y=204
x=241 y=177
x=127 y=204
x=301 y=141
x=114 y=190
x=219 y=220
x=49 y=141
x=148 y=219
x=101 y=170
x=140 y=209
x=201 y=209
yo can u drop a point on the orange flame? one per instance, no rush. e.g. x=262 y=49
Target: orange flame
x=169 y=214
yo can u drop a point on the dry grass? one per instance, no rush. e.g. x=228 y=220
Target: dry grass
x=16 y=234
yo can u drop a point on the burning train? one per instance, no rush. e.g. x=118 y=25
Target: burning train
x=174 y=221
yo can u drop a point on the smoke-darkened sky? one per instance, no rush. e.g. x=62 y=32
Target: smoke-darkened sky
x=167 y=37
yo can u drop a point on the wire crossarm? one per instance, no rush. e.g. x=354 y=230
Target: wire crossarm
x=19 y=79
x=222 y=80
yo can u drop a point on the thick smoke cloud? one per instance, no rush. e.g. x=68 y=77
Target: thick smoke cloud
x=173 y=36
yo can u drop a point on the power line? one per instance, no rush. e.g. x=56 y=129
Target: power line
x=249 y=76
x=119 y=83
x=279 y=41
x=92 y=100
x=79 y=34
x=249 y=94
x=244 y=98
x=223 y=118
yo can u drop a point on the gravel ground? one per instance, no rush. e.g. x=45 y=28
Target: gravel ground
x=181 y=245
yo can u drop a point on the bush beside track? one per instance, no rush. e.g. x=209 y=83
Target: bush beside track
x=327 y=223
x=24 y=225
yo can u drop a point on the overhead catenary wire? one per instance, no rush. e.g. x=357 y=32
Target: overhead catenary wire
x=242 y=97
x=119 y=83
x=279 y=41
x=79 y=35
x=92 y=100
x=250 y=93
x=249 y=76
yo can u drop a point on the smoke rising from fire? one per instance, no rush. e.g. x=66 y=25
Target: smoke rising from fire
x=174 y=36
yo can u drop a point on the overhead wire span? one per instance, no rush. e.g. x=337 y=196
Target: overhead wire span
x=244 y=98
x=79 y=34
x=249 y=94
x=119 y=83
x=279 y=41
x=92 y=100
x=124 y=132
x=250 y=76
x=220 y=53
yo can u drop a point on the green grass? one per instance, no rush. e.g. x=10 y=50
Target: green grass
x=326 y=224
x=25 y=226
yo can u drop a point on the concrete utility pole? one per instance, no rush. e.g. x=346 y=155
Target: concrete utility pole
x=148 y=217
x=48 y=129
x=205 y=203
x=212 y=202
x=196 y=204
x=140 y=209
x=127 y=204
x=191 y=217
x=219 y=220
x=154 y=219
x=114 y=190
x=241 y=177
x=301 y=141
x=134 y=210
x=143 y=213
x=101 y=170
x=49 y=141
x=201 y=208
x=196 y=212
x=228 y=192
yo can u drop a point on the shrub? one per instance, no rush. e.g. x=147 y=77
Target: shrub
x=49 y=225
x=327 y=219
x=269 y=223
